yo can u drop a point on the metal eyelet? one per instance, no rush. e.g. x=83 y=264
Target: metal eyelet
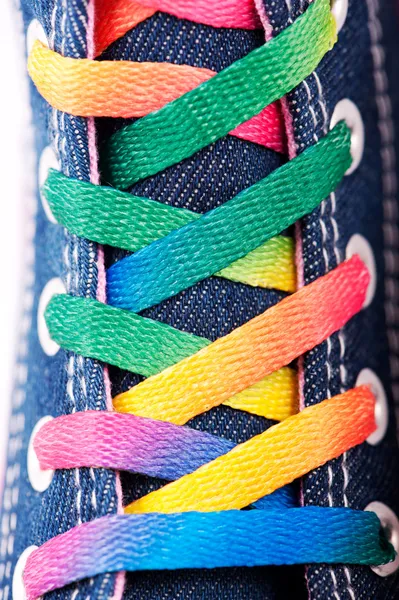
x=40 y=479
x=339 y=9
x=368 y=377
x=347 y=111
x=360 y=246
x=53 y=287
x=18 y=585
x=390 y=523
x=35 y=32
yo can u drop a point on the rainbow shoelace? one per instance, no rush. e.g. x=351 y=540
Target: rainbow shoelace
x=195 y=521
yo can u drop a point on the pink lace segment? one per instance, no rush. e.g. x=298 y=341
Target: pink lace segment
x=126 y=89
x=238 y=14
x=266 y=129
x=125 y=442
x=114 y=18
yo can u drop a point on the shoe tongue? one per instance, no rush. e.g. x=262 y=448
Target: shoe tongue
x=211 y=308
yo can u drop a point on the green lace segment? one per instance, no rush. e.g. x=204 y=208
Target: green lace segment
x=108 y=216
x=215 y=108
x=118 y=337
x=188 y=375
x=229 y=232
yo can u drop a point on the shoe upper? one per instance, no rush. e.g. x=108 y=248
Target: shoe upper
x=361 y=67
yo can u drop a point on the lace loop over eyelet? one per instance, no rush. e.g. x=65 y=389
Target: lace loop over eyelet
x=360 y=246
x=35 y=32
x=18 y=586
x=390 y=524
x=39 y=479
x=339 y=9
x=347 y=111
x=48 y=160
x=368 y=377
x=53 y=287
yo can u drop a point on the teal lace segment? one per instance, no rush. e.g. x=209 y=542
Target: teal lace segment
x=218 y=106
x=118 y=337
x=209 y=540
x=225 y=234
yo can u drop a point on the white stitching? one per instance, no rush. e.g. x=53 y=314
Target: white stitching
x=335 y=583
x=79 y=361
x=341 y=336
x=321 y=101
x=341 y=339
x=325 y=254
x=17 y=420
x=71 y=248
x=289 y=8
x=53 y=21
x=310 y=107
x=389 y=185
x=323 y=228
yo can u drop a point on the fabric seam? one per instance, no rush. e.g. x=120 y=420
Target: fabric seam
x=389 y=186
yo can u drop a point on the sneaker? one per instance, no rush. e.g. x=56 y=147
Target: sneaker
x=211 y=368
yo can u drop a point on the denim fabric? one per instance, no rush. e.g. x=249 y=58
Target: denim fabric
x=389 y=21
x=63 y=383
x=366 y=473
x=212 y=308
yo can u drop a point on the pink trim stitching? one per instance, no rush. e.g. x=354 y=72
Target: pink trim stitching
x=292 y=153
x=120 y=579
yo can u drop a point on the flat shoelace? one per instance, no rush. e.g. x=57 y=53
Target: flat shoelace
x=134 y=90
x=188 y=375
x=115 y=218
x=206 y=540
x=117 y=17
x=248 y=369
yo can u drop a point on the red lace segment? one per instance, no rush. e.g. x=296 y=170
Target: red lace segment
x=207 y=473
x=88 y=88
x=114 y=18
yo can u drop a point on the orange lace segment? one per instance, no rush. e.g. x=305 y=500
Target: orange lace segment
x=114 y=18
x=126 y=89
x=270 y=460
x=188 y=375
x=253 y=351
x=241 y=14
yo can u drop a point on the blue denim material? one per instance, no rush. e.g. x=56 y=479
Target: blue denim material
x=211 y=308
x=64 y=383
x=365 y=473
x=200 y=183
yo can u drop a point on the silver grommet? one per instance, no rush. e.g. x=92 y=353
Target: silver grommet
x=18 y=585
x=368 y=377
x=360 y=246
x=40 y=479
x=390 y=524
x=35 y=32
x=347 y=111
x=339 y=9
x=53 y=287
